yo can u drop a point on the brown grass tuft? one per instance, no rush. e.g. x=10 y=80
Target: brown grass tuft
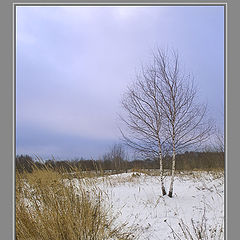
x=48 y=208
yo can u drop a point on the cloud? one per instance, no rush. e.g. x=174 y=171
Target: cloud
x=44 y=142
x=74 y=63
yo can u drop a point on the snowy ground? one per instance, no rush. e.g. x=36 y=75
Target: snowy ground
x=136 y=199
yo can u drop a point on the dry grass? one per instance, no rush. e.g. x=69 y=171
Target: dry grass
x=48 y=208
x=69 y=206
x=198 y=230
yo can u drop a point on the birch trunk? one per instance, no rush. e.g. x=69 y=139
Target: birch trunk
x=161 y=173
x=173 y=171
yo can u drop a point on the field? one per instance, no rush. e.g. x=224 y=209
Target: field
x=198 y=200
x=120 y=206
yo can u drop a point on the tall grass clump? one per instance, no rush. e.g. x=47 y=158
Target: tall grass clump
x=49 y=207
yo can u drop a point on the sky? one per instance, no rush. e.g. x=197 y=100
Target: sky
x=73 y=64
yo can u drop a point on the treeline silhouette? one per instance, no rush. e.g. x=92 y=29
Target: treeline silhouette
x=185 y=161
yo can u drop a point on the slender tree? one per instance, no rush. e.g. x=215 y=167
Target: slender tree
x=185 y=119
x=117 y=155
x=143 y=119
x=162 y=111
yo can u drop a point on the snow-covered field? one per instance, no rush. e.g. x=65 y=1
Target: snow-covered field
x=136 y=199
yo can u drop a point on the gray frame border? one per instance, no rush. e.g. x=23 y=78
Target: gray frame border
x=120 y=4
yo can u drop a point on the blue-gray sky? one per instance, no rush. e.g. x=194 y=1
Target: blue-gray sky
x=74 y=63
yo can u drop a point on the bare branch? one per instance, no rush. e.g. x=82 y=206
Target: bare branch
x=162 y=109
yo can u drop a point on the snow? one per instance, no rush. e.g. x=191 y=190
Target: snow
x=136 y=199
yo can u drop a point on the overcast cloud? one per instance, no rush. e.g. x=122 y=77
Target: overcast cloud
x=74 y=63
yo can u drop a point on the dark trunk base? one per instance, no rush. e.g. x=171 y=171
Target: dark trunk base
x=170 y=194
x=163 y=191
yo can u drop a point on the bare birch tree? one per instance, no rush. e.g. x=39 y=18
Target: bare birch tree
x=162 y=110
x=143 y=119
x=185 y=119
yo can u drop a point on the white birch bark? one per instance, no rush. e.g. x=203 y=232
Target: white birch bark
x=161 y=173
x=173 y=173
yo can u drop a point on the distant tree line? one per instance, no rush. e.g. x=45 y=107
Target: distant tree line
x=116 y=163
